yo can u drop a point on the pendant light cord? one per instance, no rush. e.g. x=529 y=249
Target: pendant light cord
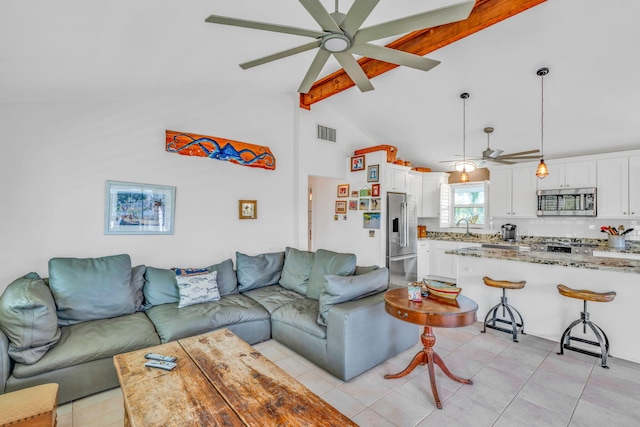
x=542 y=117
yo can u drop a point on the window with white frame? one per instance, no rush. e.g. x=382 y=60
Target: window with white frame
x=463 y=201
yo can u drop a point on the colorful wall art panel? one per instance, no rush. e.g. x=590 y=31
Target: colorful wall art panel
x=240 y=153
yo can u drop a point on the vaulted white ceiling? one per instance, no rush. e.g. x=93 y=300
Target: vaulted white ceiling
x=80 y=50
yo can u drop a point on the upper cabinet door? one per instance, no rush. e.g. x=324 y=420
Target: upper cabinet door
x=500 y=192
x=524 y=200
x=613 y=187
x=570 y=175
x=634 y=186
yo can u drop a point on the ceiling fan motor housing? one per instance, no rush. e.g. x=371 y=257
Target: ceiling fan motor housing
x=336 y=42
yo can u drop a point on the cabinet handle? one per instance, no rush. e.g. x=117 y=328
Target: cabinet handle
x=402 y=316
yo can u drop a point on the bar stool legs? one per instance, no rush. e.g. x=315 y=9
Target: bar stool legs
x=603 y=341
x=517 y=324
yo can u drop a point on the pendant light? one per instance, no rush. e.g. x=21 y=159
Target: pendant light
x=542 y=170
x=464 y=176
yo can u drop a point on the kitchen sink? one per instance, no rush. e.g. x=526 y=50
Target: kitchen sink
x=499 y=246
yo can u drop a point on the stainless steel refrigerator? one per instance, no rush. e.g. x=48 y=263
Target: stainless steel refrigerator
x=402 y=238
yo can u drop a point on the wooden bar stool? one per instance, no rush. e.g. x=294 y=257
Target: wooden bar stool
x=603 y=341
x=516 y=323
x=30 y=407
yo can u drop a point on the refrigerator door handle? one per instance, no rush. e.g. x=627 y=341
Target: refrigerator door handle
x=404 y=232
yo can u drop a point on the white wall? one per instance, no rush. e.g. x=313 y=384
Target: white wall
x=57 y=156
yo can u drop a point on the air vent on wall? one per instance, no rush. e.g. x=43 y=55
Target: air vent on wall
x=326 y=133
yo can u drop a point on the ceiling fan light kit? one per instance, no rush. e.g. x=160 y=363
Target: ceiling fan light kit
x=542 y=171
x=341 y=36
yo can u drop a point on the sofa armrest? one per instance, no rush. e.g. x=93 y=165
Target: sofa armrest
x=361 y=335
x=5 y=361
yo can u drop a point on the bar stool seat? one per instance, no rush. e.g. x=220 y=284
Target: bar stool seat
x=515 y=318
x=603 y=341
x=30 y=407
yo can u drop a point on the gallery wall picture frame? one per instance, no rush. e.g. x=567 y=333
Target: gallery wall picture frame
x=134 y=208
x=375 y=190
x=373 y=173
x=375 y=204
x=354 y=194
x=364 y=204
x=353 y=205
x=343 y=190
x=357 y=163
x=365 y=192
x=247 y=209
x=371 y=220
x=341 y=206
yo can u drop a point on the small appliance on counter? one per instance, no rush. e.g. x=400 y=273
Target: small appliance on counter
x=509 y=232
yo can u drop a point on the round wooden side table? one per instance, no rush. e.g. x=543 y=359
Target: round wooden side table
x=431 y=312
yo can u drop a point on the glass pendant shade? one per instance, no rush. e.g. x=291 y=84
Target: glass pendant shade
x=464 y=176
x=542 y=170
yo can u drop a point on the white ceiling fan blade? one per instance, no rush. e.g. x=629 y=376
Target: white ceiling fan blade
x=359 y=12
x=354 y=71
x=224 y=20
x=279 y=55
x=314 y=70
x=432 y=18
x=320 y=15
x=394 y=56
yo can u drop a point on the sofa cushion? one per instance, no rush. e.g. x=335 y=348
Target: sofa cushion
x=93 y=340
x=296 y=270
x=137 y=284
x=227 y=281
x=258 y=271
x=160 y=286
x=173 y=323
x=28 y=318
x=328 y=262
x=364 y=269
x=303 y=315
x=273 y=297
x=197 y=289
x=342 y=289
x=91 y=288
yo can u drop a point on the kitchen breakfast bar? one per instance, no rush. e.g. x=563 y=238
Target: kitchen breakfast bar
x=546 y=313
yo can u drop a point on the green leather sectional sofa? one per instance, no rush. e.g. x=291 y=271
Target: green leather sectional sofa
x=66 y=329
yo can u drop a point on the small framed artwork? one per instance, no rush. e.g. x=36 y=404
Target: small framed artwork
x=247 y=209
x=354 y=194
x=375 y=204
x=357 y=163
x=341 y=207
x=365 y=192
x=132 y=208
x=375 y=190
x=373 y=173
x=353 y=205
x=371 y=220
x=343 y=190
x=364 y=204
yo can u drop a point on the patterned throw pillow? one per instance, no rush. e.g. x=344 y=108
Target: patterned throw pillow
x=198 y=289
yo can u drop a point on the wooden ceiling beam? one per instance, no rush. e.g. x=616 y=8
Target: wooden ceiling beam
x=484 y=14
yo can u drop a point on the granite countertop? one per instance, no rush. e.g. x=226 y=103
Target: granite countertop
x=550 y=258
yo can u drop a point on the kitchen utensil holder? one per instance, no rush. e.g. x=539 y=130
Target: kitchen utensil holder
x=616 y=242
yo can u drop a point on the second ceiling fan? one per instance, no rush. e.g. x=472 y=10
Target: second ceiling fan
x=341 y=36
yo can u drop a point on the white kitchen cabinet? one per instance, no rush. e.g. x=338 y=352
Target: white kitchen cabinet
x=431 y=184
x=569 y=175
x=423 y=259
x=396 y=178
x=619 y=187
x=444 y=266
x=513 y=192
x=414 y=188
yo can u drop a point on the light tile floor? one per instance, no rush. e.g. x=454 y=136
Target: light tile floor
x=514 y=384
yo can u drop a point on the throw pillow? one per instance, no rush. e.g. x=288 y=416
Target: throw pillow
x=160 y=287
x=327 y=262
x=296 y=270
x=28 y=318
x=197 y=289
x=227 y=281
x=258 y=271
x=91 y=288
x=342 y=289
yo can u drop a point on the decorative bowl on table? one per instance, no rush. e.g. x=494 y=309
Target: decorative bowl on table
x=440 y=289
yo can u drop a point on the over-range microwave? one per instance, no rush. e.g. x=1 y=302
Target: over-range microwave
x=567 y=202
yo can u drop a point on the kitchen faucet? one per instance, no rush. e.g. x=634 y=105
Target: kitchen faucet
x=465 y=220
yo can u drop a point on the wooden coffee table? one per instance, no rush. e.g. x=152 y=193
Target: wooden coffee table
x=430 y=312
x=219 y=380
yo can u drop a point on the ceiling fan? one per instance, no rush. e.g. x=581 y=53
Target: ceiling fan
x=491 y=155
x=341 y=36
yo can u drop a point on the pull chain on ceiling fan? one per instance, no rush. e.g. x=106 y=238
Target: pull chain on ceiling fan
x=341 y=36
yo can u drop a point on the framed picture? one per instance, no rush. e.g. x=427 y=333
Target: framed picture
x=354 y=194
x=132 y=208
x=375 y=204
x=357 y=163
x=373 y=173
x=371 y=220
x=341 y=207
x=343 y=190
x=364 y=204
x=375 y=190
x=247 y=209
x=365 y=192
x=353 y=205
